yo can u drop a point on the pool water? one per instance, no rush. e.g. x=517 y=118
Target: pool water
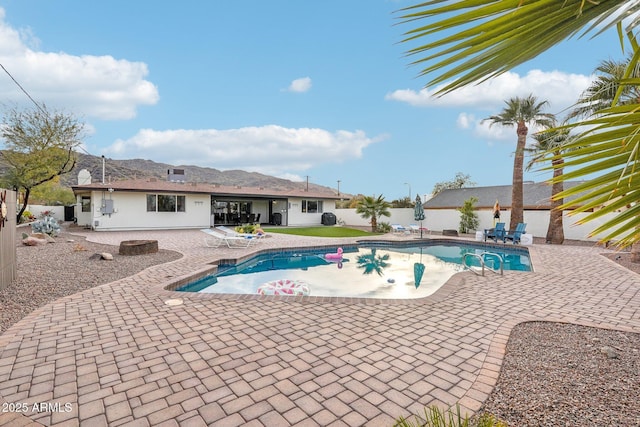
x=366 y=271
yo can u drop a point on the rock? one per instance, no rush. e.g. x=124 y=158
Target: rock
x=609 y=351
x=102 y=256
x=43 y=236
x=33 y=241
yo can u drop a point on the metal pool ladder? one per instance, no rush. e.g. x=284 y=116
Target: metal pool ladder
x=481 y=259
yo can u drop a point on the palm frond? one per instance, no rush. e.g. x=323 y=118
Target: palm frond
x=479 y=39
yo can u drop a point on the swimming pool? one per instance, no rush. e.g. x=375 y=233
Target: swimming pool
x=367 y=270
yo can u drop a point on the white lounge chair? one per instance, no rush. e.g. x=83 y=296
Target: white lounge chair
x=215 y=238
x=400 y=229
x=233 y=233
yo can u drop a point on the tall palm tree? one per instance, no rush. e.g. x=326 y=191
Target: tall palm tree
x=520 y=112
x=470 y=42
x=373 y=207
x=602 y=92
x=552 y=140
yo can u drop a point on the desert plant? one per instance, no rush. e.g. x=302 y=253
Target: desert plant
x=383 y=227
x=468 y=216
x=47 y=225
x=436 y=417
x=373 y=207
x=27 y=216
x=247 y=228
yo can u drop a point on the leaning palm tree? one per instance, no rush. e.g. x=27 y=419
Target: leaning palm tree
x=373 y=207
x=470 y=42
x=520 y=112
x=551 y=140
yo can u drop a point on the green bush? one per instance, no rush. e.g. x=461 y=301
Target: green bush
x=383 y=227
x=468 y=216
x=247 y=228
x=27 y=216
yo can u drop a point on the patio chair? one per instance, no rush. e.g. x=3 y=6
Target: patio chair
x=497 y=233
x=515 y=236
x=233 y=233
x=215 y=238
x=397 y=228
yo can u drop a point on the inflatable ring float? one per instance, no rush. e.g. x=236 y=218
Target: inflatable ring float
x=284 y=287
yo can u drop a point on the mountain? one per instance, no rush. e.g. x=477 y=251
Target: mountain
x=115 y=170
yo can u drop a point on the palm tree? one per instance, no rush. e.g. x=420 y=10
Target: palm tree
x=552 y=140
x=520 y=112
x=374 y=208
x=601 y=94
x=474 y=41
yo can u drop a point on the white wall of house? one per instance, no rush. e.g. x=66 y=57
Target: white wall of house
x=449 y=219
x=296 y=217
x=130 y=213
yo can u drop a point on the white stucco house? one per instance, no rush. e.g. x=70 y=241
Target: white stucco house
x=442 y=210
x=174 y=203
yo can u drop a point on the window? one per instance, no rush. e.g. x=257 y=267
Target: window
x=86 y=203
x=166 y=203
x=151 y=202
x=312 y=206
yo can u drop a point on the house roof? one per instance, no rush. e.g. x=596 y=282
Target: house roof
x=536 y=195
x=162 y=186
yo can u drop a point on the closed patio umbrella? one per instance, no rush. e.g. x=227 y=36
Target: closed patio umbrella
x=496 y=213
x=418 y=213
x=418 y=271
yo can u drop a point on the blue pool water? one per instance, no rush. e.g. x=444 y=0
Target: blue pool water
x=371 y=270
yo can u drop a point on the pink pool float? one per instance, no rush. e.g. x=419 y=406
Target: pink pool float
x=336 y=256
x=284 y=287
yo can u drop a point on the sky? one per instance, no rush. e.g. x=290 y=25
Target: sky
x=317 y=91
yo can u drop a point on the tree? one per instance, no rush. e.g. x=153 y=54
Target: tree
x=374 y=208
x=520 y=112
x=601 y=93
x=39 y=147
x=404 y=202
x=52 y=193
x=468 y=216
x=485 y=38
x=461 y=180
x=552 y=140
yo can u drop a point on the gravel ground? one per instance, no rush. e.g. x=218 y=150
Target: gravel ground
x=568 y=375
x=48 y=272
x=553 y=374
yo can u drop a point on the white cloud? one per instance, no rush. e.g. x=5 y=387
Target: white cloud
x=271 y=149
x=300 y=85
x=96 y=86
x=559 y=88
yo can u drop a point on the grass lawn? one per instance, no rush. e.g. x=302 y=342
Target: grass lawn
x=319 y=231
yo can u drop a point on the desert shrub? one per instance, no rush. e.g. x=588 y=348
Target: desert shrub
x=27 y=216
x=247 y=228
x=383 y=227
x=436 y=417
x=47 y=225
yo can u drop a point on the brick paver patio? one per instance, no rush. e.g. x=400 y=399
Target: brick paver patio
x=122 y=354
